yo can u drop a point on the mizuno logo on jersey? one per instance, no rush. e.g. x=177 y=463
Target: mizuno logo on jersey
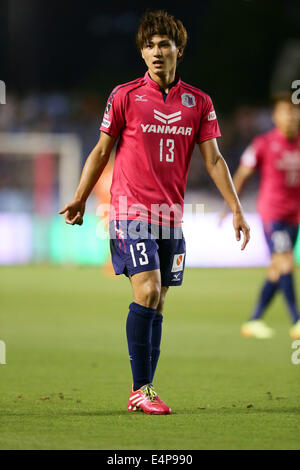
x=140 y=98
x=157 y=129
x=167 y=118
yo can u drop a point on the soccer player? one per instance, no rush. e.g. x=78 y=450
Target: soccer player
x=276 y=154
x=157 y=120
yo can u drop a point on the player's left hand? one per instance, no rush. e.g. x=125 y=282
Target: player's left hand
x=240 y=225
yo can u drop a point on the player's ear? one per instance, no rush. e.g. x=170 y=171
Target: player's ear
x=180 y=52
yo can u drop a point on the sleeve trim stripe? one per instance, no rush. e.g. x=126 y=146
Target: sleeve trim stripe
x=115 y=91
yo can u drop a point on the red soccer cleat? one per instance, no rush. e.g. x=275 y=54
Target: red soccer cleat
x=159 y=400
x=162 y=403
x=146 y=399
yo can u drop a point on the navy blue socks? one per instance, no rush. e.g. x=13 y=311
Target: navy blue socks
x=139 y=336
x=155 y=343
x=287 y=286
x=267 y=293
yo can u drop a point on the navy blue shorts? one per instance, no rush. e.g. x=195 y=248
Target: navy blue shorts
x=140 y=246
x=281 y=236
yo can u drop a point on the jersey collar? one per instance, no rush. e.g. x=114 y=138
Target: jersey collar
x=154 y=84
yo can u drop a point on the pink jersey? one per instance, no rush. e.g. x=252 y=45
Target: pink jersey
x=278 y=160
x=156 y=140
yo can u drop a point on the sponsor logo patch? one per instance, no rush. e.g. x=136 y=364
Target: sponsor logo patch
x=106 y=123
x=157 y=129
x=211 y=116
x=167 y=118
x=188 y=100
x=178 y=263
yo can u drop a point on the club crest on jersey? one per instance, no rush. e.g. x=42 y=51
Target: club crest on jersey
x=188 y=100
x=178 y=263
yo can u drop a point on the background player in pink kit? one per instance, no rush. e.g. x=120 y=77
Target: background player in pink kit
x=158 y=119
x=276 y=154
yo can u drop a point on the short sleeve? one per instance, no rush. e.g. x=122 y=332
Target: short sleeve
x=251 y=157
x=113 y=119
x=209 y=127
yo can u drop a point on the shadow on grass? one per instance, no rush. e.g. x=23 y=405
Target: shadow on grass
x=237 y=410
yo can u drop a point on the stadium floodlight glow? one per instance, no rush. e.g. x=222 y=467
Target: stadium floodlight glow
x=67 y=147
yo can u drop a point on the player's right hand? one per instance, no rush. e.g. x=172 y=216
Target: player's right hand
x=74 y=212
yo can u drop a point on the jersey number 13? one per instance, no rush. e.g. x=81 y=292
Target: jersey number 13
x=166 y=145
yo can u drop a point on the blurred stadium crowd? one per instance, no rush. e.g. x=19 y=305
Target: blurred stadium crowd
x=60 y=60
x=58 y=112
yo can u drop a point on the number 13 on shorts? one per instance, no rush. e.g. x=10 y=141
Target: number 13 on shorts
x=141 y=248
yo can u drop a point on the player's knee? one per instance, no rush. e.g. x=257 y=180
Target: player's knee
x=151 y=294
x=282 y=263
x=286 y=268
x=273 y=273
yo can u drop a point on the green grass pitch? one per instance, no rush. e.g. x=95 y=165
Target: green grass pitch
x=67 y=378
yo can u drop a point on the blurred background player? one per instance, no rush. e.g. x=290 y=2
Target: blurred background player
x=158 y=119
x=276 y=154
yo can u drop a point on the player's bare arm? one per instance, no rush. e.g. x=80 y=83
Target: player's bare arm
x=240 y=178
x=219 y=172
x=91 y=172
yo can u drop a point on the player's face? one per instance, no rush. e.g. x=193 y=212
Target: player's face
x=160 y=54
x=286 y=117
